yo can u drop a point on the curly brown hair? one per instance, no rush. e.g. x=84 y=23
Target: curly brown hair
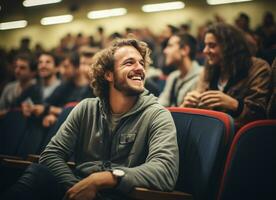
x=103 y=62
x=236 y=56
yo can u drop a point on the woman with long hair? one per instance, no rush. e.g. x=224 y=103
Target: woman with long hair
x=233 y=81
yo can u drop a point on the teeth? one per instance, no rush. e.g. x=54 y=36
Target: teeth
x=136 y=78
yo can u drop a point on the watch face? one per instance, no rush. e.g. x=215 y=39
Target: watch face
x=118 y=172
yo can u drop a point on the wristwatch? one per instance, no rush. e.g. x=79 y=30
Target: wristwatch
x=118 y=173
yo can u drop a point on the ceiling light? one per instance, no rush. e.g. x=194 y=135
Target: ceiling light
x=13 y=24
x=106 y=13
x=56 y=19
x=217 y=2
x=30 y=3
x=163 y=6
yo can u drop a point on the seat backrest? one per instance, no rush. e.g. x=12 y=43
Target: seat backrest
x=203 y=139
x=53 y=130
x=249 y=171
x=12 y=129
x=33 y=136
x=61 y=118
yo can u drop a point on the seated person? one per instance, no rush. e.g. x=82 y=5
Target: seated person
x=48 y=82
x=74 y=88
x=180 y=52
x=233 y=81
x=120 y=140
x=86 y=60
x=271 y=108
x=24 y=89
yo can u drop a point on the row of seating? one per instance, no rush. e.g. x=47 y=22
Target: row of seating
x=21 y=136
x=215 y=162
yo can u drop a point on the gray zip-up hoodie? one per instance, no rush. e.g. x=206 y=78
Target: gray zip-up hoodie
x=144 y=145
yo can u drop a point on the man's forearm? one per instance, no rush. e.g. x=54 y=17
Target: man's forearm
x=103 y=180
x=88 y=187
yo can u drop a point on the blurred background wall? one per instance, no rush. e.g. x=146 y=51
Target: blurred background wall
x=195 y=13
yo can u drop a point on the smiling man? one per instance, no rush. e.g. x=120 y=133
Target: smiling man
x=120 y=140
x=48 y=83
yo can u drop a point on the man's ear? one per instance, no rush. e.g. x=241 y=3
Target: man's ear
x=185 y=50
x=108 y=76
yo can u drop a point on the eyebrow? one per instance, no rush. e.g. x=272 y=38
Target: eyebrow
x=211 y=43
x=132 y=59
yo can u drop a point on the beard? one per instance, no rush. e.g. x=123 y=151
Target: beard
x=122 y=86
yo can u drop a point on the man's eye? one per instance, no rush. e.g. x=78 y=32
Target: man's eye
x=212 y=45
x=128 y=63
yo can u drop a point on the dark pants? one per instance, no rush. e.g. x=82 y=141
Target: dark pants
x=37 y=183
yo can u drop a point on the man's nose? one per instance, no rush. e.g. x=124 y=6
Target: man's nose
x=165 y=51
x=206 y=49
x=139 y=67
x=41 y=65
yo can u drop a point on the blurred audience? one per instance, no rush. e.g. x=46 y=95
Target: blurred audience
x=267 y=35
x=74 y=88
x=180 y=52
x=24 y=88
x=163 y=39
x=262 y=44
x=271 y=109
x=267 y=30
x=243 y=22
x=48 y=82
x=238 y=85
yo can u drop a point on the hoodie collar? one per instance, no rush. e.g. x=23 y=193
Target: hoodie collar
x=144 y=100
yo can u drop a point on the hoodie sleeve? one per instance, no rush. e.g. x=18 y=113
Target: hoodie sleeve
x=61 y=147
x=160 y=170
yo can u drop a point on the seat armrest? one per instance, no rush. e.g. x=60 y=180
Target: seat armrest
x=3 y=156
x=33 y=158
x=146 y=194
x=22 y=164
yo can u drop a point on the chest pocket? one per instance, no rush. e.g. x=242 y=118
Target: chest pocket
x=123 y=147
x=127 y=138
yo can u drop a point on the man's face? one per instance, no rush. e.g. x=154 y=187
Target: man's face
x=173 y=52
x=85 y=63
x=22 y=70
x=212 y=50
x=67 y=70
x=129 y=71
x=46 y=66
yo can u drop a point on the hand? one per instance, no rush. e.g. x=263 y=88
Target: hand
x=27 y=109
x=88 y=187
x=49 y=120
x=84 y=190
x=38 y=109
x=191 y=99
x=55 y=110
x=216 y=99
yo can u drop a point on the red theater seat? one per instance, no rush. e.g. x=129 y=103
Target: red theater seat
x=203 y=139
x=250 y=167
